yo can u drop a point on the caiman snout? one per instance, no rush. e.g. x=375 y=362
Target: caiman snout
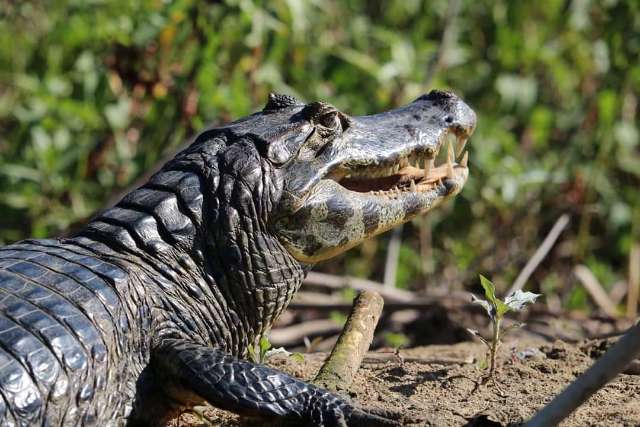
x=459 y=116
x=377 y=172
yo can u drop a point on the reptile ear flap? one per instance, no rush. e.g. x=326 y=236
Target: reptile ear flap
x=284 y=148
x=278 y=101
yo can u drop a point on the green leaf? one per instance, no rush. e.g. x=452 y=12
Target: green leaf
x=501 y=308
x=265 y=345
x=489 y=290
x=251 y=352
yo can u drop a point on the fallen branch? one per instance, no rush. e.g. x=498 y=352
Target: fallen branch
x=618 y=292
x=343 y=306
x=593 y=287
x=291 y=335
x=540 y=253
x=330 y=281
x=614 y=361
x=634 y=281
x=339 y=369
x=393 y=255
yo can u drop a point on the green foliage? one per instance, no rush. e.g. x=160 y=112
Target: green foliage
x=94 y=93
x=263 y=350
x=258 y=352
x=496 y=309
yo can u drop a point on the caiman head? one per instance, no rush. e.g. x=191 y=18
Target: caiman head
x=342 y=179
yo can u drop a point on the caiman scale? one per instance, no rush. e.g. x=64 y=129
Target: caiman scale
x=151 y=306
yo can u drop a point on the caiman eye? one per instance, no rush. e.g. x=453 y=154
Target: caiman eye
x=330 y=120
x=326 y=118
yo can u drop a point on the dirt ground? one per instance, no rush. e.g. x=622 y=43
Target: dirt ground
x=437 y=385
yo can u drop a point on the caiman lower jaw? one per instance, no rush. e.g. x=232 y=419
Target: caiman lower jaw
x=404 y=178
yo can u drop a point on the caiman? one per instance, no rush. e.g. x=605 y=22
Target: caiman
x=150 y=308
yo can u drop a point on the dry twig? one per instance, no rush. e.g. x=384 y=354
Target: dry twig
x=594 y=289
x=540 y=253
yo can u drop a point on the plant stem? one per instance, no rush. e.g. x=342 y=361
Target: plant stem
x=495 y=342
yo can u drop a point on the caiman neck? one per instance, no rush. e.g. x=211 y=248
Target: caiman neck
x=197 y=229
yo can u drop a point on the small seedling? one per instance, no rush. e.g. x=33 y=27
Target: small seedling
x=496 y=309
x=262 y=350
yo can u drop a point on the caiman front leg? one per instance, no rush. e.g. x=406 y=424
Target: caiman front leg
x=189 y=369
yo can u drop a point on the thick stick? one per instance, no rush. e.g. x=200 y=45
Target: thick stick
x=614 y=361
x=338 y=371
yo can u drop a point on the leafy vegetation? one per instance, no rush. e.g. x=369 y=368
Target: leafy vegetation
x=262 y=350
x=95 y=93
x=496 y=309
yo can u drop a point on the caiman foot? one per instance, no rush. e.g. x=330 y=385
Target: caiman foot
x=187 y=369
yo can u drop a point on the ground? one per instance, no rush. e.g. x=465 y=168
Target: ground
x=438 y=385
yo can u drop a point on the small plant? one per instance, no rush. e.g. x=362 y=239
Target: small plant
x=262 y=350
x=496 y=309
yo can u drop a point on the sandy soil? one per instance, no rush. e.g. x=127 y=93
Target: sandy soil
x=438 y=385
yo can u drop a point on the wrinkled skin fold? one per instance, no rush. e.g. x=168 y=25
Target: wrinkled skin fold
x=151 y=307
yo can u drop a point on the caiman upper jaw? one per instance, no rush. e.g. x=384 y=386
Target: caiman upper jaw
x=396 y=150
x=414 y=172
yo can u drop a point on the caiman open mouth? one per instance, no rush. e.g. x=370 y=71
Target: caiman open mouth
x=405 y=174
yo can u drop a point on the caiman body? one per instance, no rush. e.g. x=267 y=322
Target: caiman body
x=150 y=308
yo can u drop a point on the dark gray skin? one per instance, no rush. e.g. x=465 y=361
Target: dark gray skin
x=150 y=308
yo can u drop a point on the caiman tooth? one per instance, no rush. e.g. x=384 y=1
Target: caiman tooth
x=413 y=185
x=462 y=142
x=450 y=161
x=396 y=168
x=428 y=165
x=465 y=159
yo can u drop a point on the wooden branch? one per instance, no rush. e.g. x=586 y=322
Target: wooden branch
x=618 y=291
x=593 y=287
x=291 y=335
x=614 y=361
x=339 y=369
x=343 y=306
x=634 y=281
x=540 y=254
x=330 y=281
x=393 y=255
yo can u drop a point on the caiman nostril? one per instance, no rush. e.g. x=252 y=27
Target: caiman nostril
x=448 y=119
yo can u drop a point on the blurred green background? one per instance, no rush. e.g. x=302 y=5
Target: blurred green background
x=95 y=93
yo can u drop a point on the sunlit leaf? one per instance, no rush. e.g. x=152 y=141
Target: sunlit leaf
x=277 y=350
x=519 y=299
x=489 y=289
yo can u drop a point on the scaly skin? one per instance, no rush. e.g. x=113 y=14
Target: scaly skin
x=150 y=308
